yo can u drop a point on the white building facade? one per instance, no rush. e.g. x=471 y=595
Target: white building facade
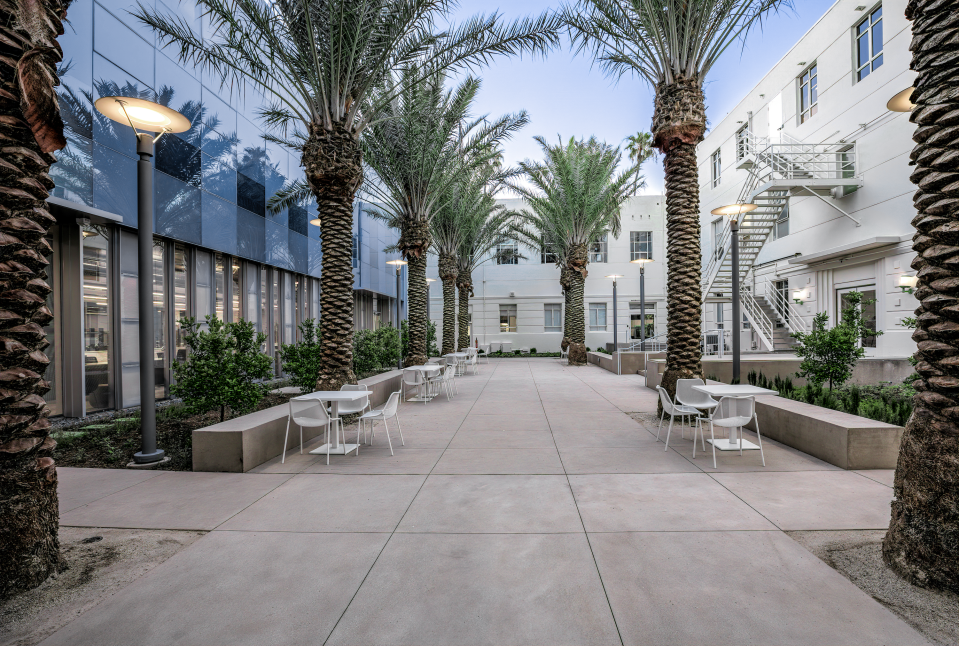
x=815 y=148
x=522 y=303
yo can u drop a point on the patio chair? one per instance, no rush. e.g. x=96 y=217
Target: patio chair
x=445 y=378
x=472 y=362
x=733 y=412
x=486 y=350
x=310 y=413
x=564 y=355
x=411 y=378
x=356 y=406
x=672 y=410
x=383 y=414
x=687 y=396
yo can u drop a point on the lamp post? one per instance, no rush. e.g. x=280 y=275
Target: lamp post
x=642 y=300
x=615 y=321
x=399 y=333
x=151 y=118
x=735 y=211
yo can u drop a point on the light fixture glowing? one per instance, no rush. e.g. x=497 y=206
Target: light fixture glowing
x=315 y=221
x=641 y=261
x=908 y=283
x=800 y=295
x=902 y=102
x=142 y=114
x=734 y=209
x=615 y=276
x=431 y=280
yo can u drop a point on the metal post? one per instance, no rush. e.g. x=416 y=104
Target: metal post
x=148 y=423
x=642 y=308
x=615 y=329
x=737 y=317
x=399 y=331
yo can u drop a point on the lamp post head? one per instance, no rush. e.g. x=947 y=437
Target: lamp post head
x=734 y=211
x=615 y=276
x=316 y=221
x=902 y=102
x=142 y=114
x=398 y=263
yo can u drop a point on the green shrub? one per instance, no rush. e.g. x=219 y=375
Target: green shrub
x=432 y=350
x=375 y=350
x=223 y=368
x=301 y=360
x=532 y=350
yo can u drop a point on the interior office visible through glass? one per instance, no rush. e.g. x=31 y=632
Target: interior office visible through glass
x=181 y=280
x=161 y=358
x=97 y=353
x=220 y=280
x=237 y=290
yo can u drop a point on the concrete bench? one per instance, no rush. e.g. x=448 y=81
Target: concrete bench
x=847 y=441
x=239 y=444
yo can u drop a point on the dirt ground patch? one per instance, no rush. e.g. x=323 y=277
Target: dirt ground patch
x=857 y=555
x=100 y=563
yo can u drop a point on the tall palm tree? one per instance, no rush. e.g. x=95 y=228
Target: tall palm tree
x=639 y=148
x=485 y=228
x=575 y=198
x=425 y=141
x=320 y=63
x=32 y=131
x=923 y=539
x=672 y=44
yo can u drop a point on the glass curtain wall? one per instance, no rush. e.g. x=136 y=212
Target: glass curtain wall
x=276 y=321
x=97 y=346
x=264 y=326
x=219 y=280
x=181 y=282
x=237 y=290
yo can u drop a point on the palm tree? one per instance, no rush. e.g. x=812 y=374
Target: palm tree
x=575 y=199
x=322 y=65
x=922 y=544
x=32 y=130
x=672 y=44
x=639 y=148
x=423 y=144
x=485 y=228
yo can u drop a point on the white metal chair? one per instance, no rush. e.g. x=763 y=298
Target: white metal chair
x=311 y=413
x=356 y=406
x=671 y=409
x=733 y=412
x=687 y=396
x=486 y=350
x=412 y=378
x=445 y=378
x=383 y=414
x=564 y=354
x=472 y=361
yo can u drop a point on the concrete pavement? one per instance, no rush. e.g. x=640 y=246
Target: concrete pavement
x=530 y=509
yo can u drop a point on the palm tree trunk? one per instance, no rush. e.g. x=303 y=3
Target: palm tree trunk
x=333 y=164
x=922 y=543
x=678 y=125
x=575 y=319
x=565 y=282
x=416 y=299
x=32 y=130
x=448 y=273
x=465 y=285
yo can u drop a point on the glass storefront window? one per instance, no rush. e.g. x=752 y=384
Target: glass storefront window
x=296 y=306
x=264 y=307
x=220 y=279
x=237 y=312
x=181 y=281
x=161 y=359
x=97 y=353
x=276 y=320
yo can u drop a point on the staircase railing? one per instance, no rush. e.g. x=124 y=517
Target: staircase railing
x=653 y=344
x=757 y=317
x=790 y=315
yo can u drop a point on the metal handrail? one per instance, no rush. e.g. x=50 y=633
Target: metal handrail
x=660 y=345
x=757 y=317
x=790 y=314
x=718 y=347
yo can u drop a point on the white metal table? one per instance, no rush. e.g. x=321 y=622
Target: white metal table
x=334 y=397
x=460 y=358
x=734 y=390
x=427 y=369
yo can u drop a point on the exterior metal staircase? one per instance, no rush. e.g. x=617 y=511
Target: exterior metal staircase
x=775 y=172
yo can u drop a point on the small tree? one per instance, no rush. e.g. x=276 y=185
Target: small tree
x=223 y=367
x=301 y=361
x=830 y=354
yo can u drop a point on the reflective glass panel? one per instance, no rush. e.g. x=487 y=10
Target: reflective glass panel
x=220 y=280
x=73 y=172
x=177 y=209
x=122 y=46
x=181 y=281
x=161 y=355
x=237 y=289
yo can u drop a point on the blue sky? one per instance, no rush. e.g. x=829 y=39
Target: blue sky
x=566 y=95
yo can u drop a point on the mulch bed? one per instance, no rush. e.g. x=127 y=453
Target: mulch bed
x=111 y=444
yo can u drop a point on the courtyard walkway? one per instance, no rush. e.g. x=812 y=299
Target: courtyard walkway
x=530 y=509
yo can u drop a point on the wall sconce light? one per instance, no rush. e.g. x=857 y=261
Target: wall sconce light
x=908 y=283
x=800 y=295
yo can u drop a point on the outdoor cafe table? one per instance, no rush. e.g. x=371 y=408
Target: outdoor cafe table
x=334 y=397
x=733 y=390
x=427 y=369
x=460 y=358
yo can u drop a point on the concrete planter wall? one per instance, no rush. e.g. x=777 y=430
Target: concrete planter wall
x=630 y=363
x=239 y=444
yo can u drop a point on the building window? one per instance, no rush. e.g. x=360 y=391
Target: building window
x=742 y=142
x=507 y=318
x=507 y=254
x=161 y=357
x=640 y=245
x=553 y=317
x=869 y=44
x=635 y=327
x=181 y=281
x=808 y=94
x=746 y=324
x=356 y=252
x=98 y=364
x=597 y=317
x=219 y=280
x=599 y=250
x=716 y=166
x=719 y=316
x=718 y=248
x=546 y=255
